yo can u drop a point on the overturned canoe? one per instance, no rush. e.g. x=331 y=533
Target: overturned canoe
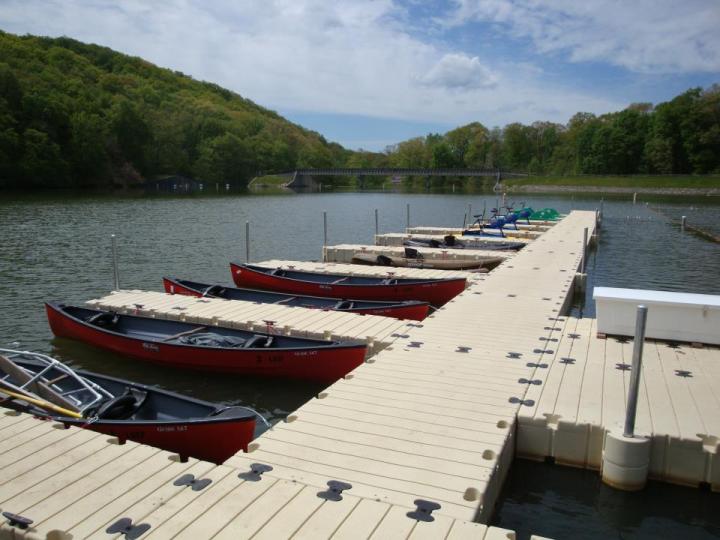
x=457 y=244
x=409 y=309
x=133 y=411
x=416 y=260
x=435 y=291
x=207 y=348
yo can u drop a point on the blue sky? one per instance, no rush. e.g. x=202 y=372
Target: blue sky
x=371 y=73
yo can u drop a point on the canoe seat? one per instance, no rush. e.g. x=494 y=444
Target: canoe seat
x=259 y=342
x=214 y=290
x=389 y=281
x=120 y=407
x=104 y=319
x=277 y=272
x=344 y=304
x=412 y=253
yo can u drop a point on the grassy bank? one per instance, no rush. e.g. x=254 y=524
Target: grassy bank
x=269 y=180
x=629 y=182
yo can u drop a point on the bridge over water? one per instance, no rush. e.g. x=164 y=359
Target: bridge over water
x=304 y=178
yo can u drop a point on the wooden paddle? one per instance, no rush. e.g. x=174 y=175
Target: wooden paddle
x=41 y=403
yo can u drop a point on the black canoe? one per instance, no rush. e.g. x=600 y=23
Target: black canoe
x=208 y=348
x=132 y=411
x=409 y=309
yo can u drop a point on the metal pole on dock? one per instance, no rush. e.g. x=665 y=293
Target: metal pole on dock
x=640 y=322
x=116 y=273
x=408 y=215
x=584 y=251
x=324 y=229
x=634 y=198
x=377 y=223
x=247 y=241
x=683 y=222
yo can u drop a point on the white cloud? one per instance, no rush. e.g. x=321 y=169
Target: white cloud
x=347 y=57
x=646 y=36
x=459 y=71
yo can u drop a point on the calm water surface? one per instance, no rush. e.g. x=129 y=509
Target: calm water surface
x=58 y=247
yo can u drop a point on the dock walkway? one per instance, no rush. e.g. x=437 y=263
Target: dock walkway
x=433 y=415
x=75 y=483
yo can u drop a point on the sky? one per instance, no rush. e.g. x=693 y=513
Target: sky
x=368 y=74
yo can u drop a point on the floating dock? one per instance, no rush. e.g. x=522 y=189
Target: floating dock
x=584 y=393
x=343 y=253
x=75 y=483
x=371 y=271
x=472 y=242
x=426 y=428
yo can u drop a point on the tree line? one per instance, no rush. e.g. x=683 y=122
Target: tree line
x=681 y=136
x=77 y=115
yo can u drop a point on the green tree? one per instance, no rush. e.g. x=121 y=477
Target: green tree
x=41 y=162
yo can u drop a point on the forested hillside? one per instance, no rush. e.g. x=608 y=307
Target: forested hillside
x=681 y=136
x=75 y=115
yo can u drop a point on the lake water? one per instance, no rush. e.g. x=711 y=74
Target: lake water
x=57 y=247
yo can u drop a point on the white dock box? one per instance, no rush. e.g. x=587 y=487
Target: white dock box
x=671 y=315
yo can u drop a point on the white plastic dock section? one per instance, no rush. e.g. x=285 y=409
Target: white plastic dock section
x=397 y=239
x=377 y=332
x=584 y=393
x=432 y=416
x=75 y=484
x=374 y=271
x=343 y=253
x=693 y=318
x=509 y=232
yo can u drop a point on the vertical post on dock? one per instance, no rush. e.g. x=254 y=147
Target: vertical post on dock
x=634 y=198
x=683 y=222
x=408 y=215
x=584 y=251
x=631 y=410
x=324 y=229
x=377 y=223
x=247 y=241
x=116 y=273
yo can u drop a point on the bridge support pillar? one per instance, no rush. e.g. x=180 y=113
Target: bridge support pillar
x=428 y=183
x=361 y=181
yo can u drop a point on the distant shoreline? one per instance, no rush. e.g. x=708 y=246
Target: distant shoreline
x=547 y=188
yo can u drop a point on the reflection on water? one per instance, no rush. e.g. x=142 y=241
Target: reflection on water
x=58 y=248
x=565 y=503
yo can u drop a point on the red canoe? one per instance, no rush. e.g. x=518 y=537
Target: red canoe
x=136 y=412
x=435 y=291
x=412 y=310
x=207 y=348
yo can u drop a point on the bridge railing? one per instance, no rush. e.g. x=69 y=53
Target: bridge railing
x=390 y=171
